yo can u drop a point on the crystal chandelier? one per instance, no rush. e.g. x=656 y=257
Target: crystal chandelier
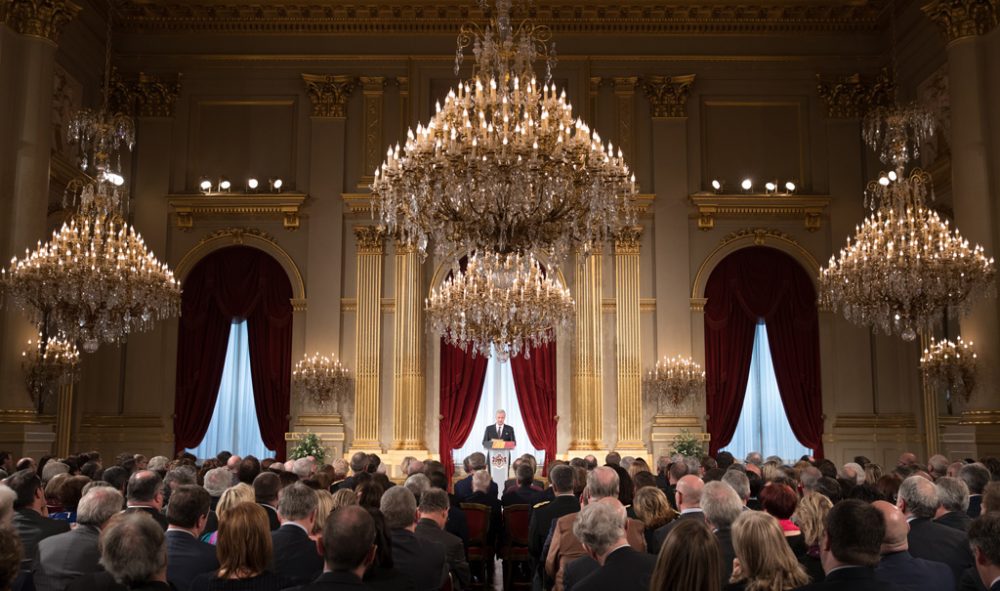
x=501 y=301
x=674 y=380
x=322 y=380
x=503 y=166
x=49 y=364
x=904 y=266
x=950 y=365
x=95 y=281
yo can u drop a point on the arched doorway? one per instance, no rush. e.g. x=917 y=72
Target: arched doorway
x=754 y=293
x=227 y=287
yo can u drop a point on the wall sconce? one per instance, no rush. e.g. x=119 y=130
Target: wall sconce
x=747 y=185
x=252 y=184
x=205 y=185
x=225 y=185
x=718 y=186
x=275 y=185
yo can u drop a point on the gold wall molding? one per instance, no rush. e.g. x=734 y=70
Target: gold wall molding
x=146 y=95
x=122 y=422
x=610 y=305
x=810 y=208
x=628 y=341
x=958 y=19
x=358 y=204
x=373 y=89
x=445 y=17
x=25 y=417
x=588 y=366
x=287 y=206
x=851 y=96
x=368 y=336
x=38 y=18
x=408 y=353
x=388 y=305
x=980 y=417
x=668 y=95
x=329 y=93
x=873 y=422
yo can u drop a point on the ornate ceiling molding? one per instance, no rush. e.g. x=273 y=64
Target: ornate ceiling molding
x=444 y=17
x=963 y=18
x=850 y=97
x=38 y=18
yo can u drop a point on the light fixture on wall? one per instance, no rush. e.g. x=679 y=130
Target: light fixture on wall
x=950 y=365
x=48 y=364
x=790 y=187
x=323 y=381
x=674 y=380
x=718 y=186
x=225 y=185
x=252 y=184
x=275 y=185
x=771 y=187
x=205 y=185
x=747 y=185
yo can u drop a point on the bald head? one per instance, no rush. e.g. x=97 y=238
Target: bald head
x=896 y=528
x=907 y=460
x=602 y=483
x=689 y=492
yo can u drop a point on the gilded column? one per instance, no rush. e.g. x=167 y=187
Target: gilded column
x=625 y=95
x=64 y=420
x=374 y=96
x=627 y=349
x=408 y=353
x=588 y=373
x=371 y=248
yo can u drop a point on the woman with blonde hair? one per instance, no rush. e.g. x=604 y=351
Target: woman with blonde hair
x=689 y=559
x=231 y=497
x=245 y=553
x=324 y=505
x=638 y=465
x=764 y=562
x=810 y=516
x=873 y=472
x=343 y=498
x=654 y=511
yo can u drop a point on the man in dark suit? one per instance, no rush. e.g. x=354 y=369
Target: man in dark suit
x=898 y=565
x=359 y=464
x=422 y=560
x=721 y=505
x=295 y=555
x=953 y=494
x=600 y=527
x=499 y=430
x=688 y=502
x=187 y=556
x=918 y=500
x=984 y=537
x=850 y=549
x=433 y=514
x=133 y=552
x=472 y=464
x=145 y=495
x=483 y=493
x=976 y=477
x=31 y=514
x=525 y=493
x=348 y=549
x=265 y=489
x=565 y=503
x=67 y=556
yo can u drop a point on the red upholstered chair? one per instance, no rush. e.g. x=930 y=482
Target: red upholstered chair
x=516 y=519
x=479 y=552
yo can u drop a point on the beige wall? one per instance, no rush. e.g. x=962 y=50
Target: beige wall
x=753 y=111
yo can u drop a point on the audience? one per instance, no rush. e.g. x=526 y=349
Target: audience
x=10 y=558
x=898 y=566
x=780 y=501
x=266 y=486
x=721 y=506
x=432 y=514
x=245 y=554
x=133 y=552
x=688 y=502
x=976 y=477
x=296 y=556
x=524 y=492
x=565 y=502
x=689 y=559
x=984 y=537
x=810 y=516
x=927 y=539
x=484 y=493
x=654 y=511
x=600 y=527
x=241 y=493
x=763 y=561
x=421 y=559
x=145 y=495
x=953 y=496
x=31 y=514
x=349 y=536
x=187 y=555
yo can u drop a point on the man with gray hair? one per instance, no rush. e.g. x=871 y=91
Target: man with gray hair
x=295 y=554
x=613 y=564
x=145 y=495
x=66 y=556
x=565 y=547
x=953 y=495
x=852 y=472
x=976 y=477
x=937 y=466
x=304 y=468
x=340 y=468
x=565 y=502
x=432 y=512
x=463 y=488
x=417 y=484
x=918 y=500
x=740 y=483
x=134 y=552
x=721 y=506
x=359 y=464
x=484 y=493
x=755 y=458
x=422 y=560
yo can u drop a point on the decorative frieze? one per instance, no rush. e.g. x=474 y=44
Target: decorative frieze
x=851 y=96
x=329 y=93
x=38 y=18
x=668 y=95
x=374 y=96
x=963 y=18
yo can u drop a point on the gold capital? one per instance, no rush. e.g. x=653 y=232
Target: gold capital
x=146 y=95
x=38 y=18
x=851 y=96
x=963 y=18
x=371 y=239
x=627 y=240
x=668 y=95
x=329 y=93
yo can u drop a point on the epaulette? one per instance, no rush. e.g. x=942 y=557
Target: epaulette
x=540 y=505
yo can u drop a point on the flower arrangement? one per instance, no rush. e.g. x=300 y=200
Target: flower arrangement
x=688 y=444
x=309 y=445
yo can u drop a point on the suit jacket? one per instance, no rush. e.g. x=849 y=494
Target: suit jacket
x=491 y=434
x=454 y=550
x=188 y=557
x=955 y=519
x=975 y=506
x=334 y=581
x=578 y=570
x=914 y=574
x=566 y=547
x=457 y=524
x=541 y=519
x=295 y=555
x=854 y=578
x=933 y=541
x=272 y=516
x=32 y=528
x=724 y=536
x=153 y=512
x=96 y=581
x=463 y=489
x=971 y=581
x=623 y=569
x=521 y=495
x=662 y=532
x=420 y=559
x=64 y=557
x=496 y=513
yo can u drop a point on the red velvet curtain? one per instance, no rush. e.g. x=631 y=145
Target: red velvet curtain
x=749 y=285
x=462 y=379
x=234 y=283
x=535 y=386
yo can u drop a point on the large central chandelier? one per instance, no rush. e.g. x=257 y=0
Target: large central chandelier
x=94 y=281
x=904 y=266
x=503 y=166
x=503 y=301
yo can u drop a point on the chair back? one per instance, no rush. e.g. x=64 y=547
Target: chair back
x=516 y=519
x=478 y=518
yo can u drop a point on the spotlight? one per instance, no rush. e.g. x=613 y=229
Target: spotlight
x=225 y=185
x=717 y=185
x=770 y=186
x=790 y=186
x=252 y=184
x=205 y=185
x=275 y=185
x=892 y=175
x=747 y=184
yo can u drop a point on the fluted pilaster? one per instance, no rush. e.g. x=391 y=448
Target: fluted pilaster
x=628 y=341
x=588 y=372
x=371 y=248
x=408 y=354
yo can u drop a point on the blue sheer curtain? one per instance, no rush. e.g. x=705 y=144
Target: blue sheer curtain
x=498 y=393
x=763 y=423
x=234 y=424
